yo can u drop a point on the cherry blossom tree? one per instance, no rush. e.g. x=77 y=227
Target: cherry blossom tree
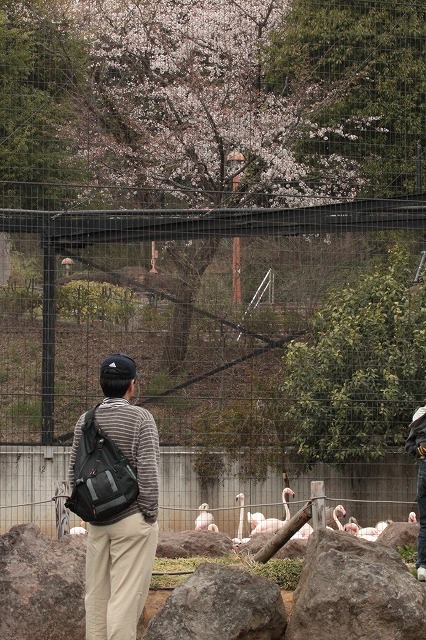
x=176 y=86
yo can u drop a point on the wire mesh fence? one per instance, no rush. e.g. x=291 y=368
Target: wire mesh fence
x=232 y=193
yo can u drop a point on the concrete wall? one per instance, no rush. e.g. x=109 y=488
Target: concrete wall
x=370 y=492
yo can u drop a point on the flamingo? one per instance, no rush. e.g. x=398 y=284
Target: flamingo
x=79 y=531
x=204 y=519
x=339 y=512
x=255 y=518
x=272 y=525
x=213 y=527
x=239 y=539
x=382 y=524
x=286 y=492
x=304 y=532
x=351 y=527
x=368 y=533
x=269 y=525
x=412 y=517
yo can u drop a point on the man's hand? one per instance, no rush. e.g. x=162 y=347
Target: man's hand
x=422 y=449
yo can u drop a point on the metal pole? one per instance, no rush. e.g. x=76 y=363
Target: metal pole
x=154 y=255
x=236 y=270
x=48 y=349
x=419 y=168
x=236 y=258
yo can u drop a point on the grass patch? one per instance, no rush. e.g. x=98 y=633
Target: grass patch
x=285 y=573
x=408 y=553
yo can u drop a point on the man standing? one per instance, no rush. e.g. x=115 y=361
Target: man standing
x=416 y=446
x=121 y=550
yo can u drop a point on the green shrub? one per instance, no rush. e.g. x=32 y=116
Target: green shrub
x=88 y=301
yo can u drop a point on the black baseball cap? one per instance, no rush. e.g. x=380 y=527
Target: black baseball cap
x=119 y=366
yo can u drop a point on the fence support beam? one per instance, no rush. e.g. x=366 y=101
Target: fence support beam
x=48 y=349
x=284 y=534
x=318 y=504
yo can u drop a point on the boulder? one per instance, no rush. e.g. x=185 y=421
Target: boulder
x=187 y=544
x=221 y=602
x=364 y=586
x=398 y=534
x=41 y=585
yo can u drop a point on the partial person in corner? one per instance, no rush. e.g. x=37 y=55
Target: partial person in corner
x=416 y=446
x=121 y=550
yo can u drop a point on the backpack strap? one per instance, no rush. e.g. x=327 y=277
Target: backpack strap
x=90 y=415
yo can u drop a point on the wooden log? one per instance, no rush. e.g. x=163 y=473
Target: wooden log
x=284 y=534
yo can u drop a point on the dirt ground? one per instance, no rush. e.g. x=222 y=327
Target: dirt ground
x=157 y=598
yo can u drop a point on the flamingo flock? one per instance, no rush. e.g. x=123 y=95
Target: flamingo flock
x=259 y=524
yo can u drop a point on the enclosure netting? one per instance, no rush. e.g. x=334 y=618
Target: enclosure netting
x=231 y=193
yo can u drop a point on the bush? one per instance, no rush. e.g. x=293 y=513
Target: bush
x=89 y=301
x=20 y=300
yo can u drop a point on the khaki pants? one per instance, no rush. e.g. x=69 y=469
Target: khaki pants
x=119 y=562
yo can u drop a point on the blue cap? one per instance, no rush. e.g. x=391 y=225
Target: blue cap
x=119 y=366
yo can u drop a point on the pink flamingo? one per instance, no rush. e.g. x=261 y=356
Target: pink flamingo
x=339 y=512
x=272 y=525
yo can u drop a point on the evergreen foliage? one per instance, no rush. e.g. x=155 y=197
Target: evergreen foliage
x=37 y=77
x=368 y=59
x=354 y=386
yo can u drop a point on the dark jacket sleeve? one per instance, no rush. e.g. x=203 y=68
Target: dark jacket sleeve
x=417 y=434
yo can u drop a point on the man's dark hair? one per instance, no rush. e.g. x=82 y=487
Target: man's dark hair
x=114 y=388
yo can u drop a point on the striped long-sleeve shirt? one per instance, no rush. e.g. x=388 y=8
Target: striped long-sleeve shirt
x=134 y=431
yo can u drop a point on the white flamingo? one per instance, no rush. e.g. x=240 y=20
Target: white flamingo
x=303 y=533
x=412 y=517
x=213 y=527
x=368 y=533
x=204 y=519
x=254 y=519
x=382 y=524
x=79 y=531
x=286 y=492
x=239 y=539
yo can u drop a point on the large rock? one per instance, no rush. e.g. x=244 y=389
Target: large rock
x=362 y=587
x=398 y=534
x=41 y=585
x=221 y=602
x=187 y=544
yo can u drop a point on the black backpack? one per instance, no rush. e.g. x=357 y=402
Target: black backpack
x=105 y=482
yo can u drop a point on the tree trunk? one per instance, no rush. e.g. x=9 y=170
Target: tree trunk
x=176 y=343
x=191 y=264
